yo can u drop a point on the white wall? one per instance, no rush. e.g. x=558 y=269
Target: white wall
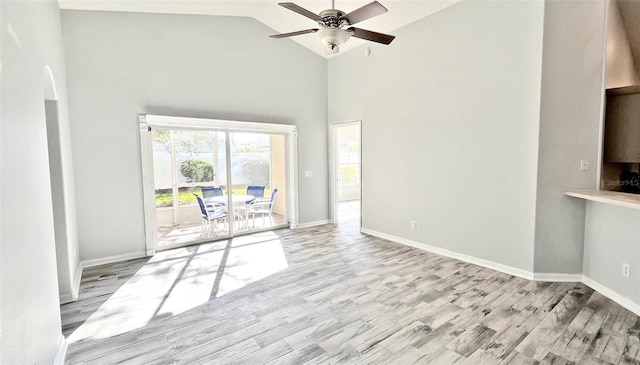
x=63 y=198
x=120 y=65
x=572 y=71
x=450 y=114
x=348 y=193
x=611 y=239
x=29 y=304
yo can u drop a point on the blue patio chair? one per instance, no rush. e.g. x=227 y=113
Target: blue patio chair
x=210 y=192
x=212 y=212
x=263 y=207
x=256 y=191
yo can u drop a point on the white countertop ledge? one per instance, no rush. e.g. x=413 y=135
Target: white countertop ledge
x=607 y=197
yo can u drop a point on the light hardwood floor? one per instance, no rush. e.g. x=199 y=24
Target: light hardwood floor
x=330 y=295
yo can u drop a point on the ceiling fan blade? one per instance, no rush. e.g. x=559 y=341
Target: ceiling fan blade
x=363 y=13
x=371 y=36
x=302 y=11
x=284 y=35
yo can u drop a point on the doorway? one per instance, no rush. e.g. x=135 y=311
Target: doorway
x=347 y=173
x=209 y=179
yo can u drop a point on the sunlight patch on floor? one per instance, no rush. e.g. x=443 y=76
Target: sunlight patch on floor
x=252 y=258
x=178 y=280
x=197 y=275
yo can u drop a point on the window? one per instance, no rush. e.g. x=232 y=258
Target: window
x=348 y=160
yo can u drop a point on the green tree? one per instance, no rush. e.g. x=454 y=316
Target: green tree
x=197 y=171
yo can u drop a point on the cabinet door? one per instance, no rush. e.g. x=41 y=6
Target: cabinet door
x=622 y=128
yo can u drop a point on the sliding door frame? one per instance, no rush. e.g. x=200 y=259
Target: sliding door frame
x=149 y=121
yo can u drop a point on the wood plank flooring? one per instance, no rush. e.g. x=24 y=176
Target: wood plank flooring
x=330 y=295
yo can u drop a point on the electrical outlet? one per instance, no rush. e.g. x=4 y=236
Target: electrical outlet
x=626 y=270
x=584 y=165
x=414 y=224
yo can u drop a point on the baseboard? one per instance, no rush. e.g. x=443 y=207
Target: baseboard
x=462 y=257
x=623 y=301
x=62 y=351
x=557 y=277
x=311 y=224
x=66 y=298
x=75 y=289
x=112 y=259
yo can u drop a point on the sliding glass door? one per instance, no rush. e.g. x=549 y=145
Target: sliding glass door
x=213 y=184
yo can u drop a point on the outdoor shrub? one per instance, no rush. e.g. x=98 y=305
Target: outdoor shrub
x=256 y=171
x=196 y=171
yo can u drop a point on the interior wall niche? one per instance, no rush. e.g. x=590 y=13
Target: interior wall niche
x=619 y=171
x=622 y=139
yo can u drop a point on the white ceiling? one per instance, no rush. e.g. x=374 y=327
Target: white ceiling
x=629 y=9
x=274 y=16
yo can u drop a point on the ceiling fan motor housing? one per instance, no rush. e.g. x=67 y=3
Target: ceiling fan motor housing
x=331 y=34
x=331 y=18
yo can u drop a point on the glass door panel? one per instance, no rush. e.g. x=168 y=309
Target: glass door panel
x=163 y=177
x=258 y=175
x=188 y=164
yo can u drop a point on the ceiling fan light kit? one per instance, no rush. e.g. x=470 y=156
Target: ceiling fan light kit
x=333 y=38
x=336 y=25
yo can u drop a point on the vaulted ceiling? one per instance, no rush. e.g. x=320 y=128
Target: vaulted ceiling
x=280 y=19
x=630 y=11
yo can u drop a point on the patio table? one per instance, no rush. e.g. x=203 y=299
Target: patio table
x=237 y=201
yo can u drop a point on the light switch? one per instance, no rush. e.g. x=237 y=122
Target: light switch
x=584 y=165
x=308 y=173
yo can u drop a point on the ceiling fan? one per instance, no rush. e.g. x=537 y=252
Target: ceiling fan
x=336 y=25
